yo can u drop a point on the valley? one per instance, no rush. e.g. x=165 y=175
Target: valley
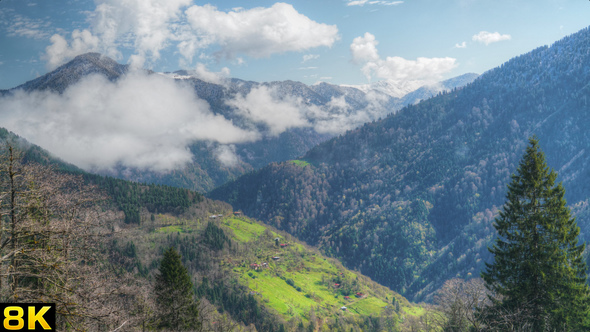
x=144 y=187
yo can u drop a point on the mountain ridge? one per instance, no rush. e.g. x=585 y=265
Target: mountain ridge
x=206 y=170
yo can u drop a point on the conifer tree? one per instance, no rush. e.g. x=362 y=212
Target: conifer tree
x=538 y=274
x=174 y=295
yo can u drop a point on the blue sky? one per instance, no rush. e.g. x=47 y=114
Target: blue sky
x=337 y=41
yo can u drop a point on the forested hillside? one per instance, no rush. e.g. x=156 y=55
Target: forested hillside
x=244 y=275
x=410 y=200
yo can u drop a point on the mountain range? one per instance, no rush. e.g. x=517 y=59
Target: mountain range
x=326 y=110
x=410 y=200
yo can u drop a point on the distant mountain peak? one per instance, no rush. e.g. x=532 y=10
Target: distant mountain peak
x=71 y=72
x=400 y=90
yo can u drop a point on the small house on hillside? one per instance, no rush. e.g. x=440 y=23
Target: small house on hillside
x=276 y=258
x=254 y=266
x=238 y=213
x=283 y=245
x=343 y=308
x=347 y=297
x=359 y=295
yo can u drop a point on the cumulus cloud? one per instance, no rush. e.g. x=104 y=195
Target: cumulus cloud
x=490 y=37
x=143 y=121
x=61 y=50
x=364 y=49
x=462 y=45
x=373 y=2
x=397 y=69
x=262 y=105
x=259 y=32
x=147 y=26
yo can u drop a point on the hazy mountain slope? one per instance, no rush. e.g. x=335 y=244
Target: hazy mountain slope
x=410 y=200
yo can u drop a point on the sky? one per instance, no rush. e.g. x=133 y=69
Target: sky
x=336 y=41
x=145 y=121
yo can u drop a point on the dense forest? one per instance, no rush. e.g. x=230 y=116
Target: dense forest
x=410 y=200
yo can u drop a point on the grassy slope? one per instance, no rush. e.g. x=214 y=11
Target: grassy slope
x=314 y=274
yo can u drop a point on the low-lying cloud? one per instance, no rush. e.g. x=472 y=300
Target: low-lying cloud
x=279 y=113
x=262 y=105
x=143 y=121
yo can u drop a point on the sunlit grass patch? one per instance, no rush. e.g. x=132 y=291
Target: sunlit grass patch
x=243 y=230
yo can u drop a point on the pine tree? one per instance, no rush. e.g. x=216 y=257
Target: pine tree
x=538 y=275
x=174 y=295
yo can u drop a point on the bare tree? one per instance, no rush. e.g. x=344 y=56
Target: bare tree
x=53 y=244
x=460 y=301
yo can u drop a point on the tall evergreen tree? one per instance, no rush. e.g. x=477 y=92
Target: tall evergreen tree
x=174 y=295
x=538 y=274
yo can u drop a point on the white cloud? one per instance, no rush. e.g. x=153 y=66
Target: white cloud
x=397 y=69
x=150 y=24
x=462 y=45
x=307 y=68
x=201 y=72
x=373 y=2
x=490 y=37
x=364 y=48
x=337 y=116
x=262 y=105
x=143 y=121
x=61 y=51
x=308 y=57
x=259 y=32
x=17 y=25
x=145 y=25
x=226 y=154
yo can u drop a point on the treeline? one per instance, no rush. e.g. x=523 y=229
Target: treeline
x=131 y=197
